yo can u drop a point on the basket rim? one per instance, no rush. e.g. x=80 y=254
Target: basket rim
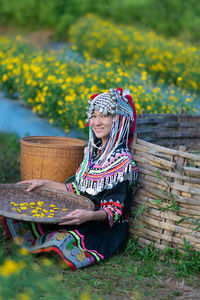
x=29 y=218
x=29 y=141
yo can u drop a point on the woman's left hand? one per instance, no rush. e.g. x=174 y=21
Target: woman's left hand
x=77 y=217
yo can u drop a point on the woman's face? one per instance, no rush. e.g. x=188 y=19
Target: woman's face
x=101 y=125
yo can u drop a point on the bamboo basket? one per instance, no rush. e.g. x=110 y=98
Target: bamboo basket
x=168 y=195
x=17 y=203
x=46 y=157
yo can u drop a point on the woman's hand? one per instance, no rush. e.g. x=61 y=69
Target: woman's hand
x=34 y=183
x=77 y=217
x=80 y=216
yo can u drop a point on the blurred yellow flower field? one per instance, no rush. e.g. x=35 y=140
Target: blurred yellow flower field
x=59 y=89
x=167 y=60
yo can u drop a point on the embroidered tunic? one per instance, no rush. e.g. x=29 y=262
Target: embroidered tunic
x=108 y=186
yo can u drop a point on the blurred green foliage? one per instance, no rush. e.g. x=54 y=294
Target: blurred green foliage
x=9 y=158
x=177 y=18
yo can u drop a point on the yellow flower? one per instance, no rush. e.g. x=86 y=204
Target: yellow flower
x=10 y=267
x=66 y=128
x=60 y=102
x=23 y=296
x=85 y=296
x=23 y=251
x=28 y=81
x=5 y=77
x=18 y=37
x=45 y=88
x=81 y=124
x=108 y=64
x=46 y=261
x=137 y=106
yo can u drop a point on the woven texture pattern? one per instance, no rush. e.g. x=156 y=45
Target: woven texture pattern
x=54 y=158
x=168 y=196
x=169 y=130
x=50 y=202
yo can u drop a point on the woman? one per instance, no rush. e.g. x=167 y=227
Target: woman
x=106 y=176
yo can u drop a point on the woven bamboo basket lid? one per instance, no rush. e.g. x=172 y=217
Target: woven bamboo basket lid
x=54 y=158
x=17 y=203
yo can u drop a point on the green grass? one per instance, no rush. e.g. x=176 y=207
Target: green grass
x=134 y=274
x=9 y=158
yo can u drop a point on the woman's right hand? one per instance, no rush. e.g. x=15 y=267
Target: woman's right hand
x=34 y=183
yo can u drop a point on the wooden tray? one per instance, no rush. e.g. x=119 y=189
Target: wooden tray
x=43 y=205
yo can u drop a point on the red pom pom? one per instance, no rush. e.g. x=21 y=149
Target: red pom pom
x=121 y=90
x=94 y=96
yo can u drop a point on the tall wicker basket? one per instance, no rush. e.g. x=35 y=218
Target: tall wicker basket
x=55 y=158
x=168 y=197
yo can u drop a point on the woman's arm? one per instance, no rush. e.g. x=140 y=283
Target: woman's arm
x=80 y=216
x=36 y=183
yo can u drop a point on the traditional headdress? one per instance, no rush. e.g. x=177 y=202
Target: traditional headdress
x=119 y=104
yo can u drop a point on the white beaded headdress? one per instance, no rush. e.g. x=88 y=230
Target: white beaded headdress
x=119 y=104
x=113 y=102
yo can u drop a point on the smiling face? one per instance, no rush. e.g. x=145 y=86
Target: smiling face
x=101 y=125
